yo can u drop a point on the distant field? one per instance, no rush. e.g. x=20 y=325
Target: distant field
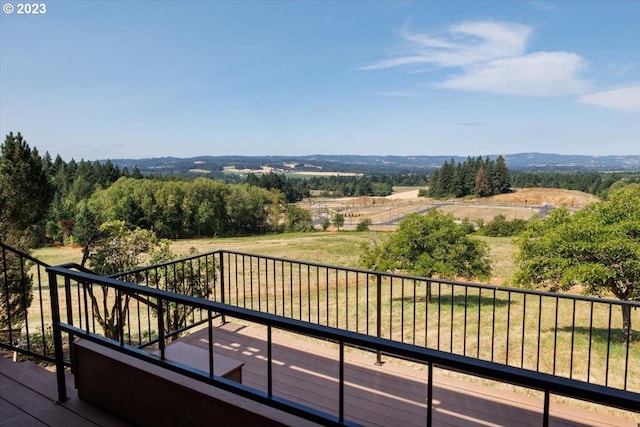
x=334 y=248
x=292 y=173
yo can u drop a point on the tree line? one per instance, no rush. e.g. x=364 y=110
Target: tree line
x=94 y=192
x=475 y=176
x=589 y=182
x=297 y=188
x=179 y=209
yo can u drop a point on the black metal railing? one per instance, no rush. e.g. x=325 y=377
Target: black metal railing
x=25 y=309
x=194 y=276
x=80 y=283
x=566 y=335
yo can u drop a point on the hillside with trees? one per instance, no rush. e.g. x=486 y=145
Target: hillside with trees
x=78 y=196
x=214 y=166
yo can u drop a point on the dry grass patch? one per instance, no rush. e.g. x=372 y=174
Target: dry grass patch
x=488 y=213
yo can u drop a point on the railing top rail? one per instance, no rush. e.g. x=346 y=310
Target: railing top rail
x=564 y=386
x=633 y=304
x=165 y=263
x=76 y=266
x=24 y=255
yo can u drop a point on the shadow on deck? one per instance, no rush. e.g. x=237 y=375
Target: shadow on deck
x=306 y=372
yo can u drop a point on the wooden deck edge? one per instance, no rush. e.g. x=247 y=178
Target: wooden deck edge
x=148 y=395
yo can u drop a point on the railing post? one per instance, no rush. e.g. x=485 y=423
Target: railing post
x=341 y=384
x=269 y=363
x=57 y=338
x=545 y=415
x=119 y=319
x=430 y=394
x=210 y=332
x=222 y=284
x=378 y=315
x=161 y=328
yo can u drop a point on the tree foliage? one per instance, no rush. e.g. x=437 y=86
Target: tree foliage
x=472 y=177
x=298 y=219
x=338 y=220
x=378 y=184
x=195 y=278
x=364 y=225
x=25 y=194
x=118 y=250
x=597 y=248
x=179 y=209
x=499 y=226
x=15 y=290
x=430 y=245
x=293 y=189
x=589 y=182
x=25 y=191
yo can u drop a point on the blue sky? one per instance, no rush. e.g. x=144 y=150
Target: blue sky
x=133 y=79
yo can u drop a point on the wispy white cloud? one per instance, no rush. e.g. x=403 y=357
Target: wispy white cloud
x=466 y=44
x=626 y=98
x=491 y=57
x=537 y=74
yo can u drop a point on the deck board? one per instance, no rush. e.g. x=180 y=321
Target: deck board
x=28 y=394
x=306 y=371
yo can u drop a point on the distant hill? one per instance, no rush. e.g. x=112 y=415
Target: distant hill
x=215 y=165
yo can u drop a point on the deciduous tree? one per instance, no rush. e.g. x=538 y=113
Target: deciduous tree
x=298 y=219
x=118 y=250
x=430 y=245
x=338 y=220
x=597 y=248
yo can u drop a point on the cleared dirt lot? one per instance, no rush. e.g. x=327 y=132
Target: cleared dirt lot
x=385 y=212
x=550 y=196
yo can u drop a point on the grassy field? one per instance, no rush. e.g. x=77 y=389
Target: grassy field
x=55 y=255
x=335 y=248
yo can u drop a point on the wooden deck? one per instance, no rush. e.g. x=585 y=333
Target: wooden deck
x=28 y=394
x=306 y=371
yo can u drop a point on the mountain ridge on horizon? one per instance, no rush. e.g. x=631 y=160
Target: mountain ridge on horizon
x=528 y=161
